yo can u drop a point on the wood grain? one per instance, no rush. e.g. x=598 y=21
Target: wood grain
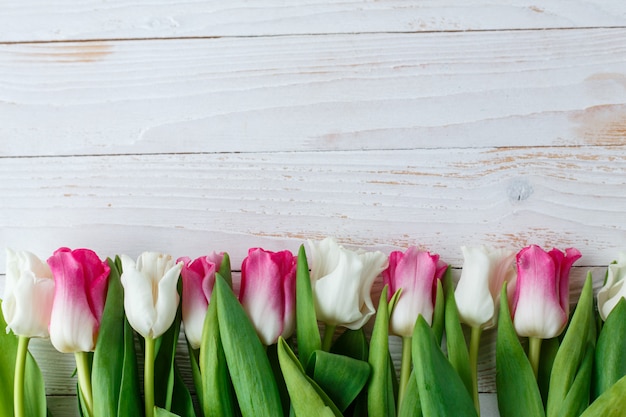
x=335 y=92
x=439 y=199
x=38 y=20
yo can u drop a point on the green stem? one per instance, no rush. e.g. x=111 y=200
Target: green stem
x=148 y=377
x=534 y=353
x=405 y=370
x=84 y=379
x=473 y=356
x=18 y=381
x=329 y=331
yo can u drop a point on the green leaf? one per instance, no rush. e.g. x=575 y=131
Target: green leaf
x=216 y=389
x=182 y=404
x=610 y=361
x=442 y=393
x=572 y=350
x=439 y=313
x=130 y=399
x=161 y=412
x=352 y=343
x=379 y=402
x=517 y=390
x=34 y=389
x=577 y=398
x=410 y=406
x=307 y=332
x=611 y=403
x=455 y=340
x=225 y=271
x=247 y=362
x=341 y=377
x=549 y=349
x=307 y=398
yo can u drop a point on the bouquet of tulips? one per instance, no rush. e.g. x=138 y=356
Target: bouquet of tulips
x=289 y=339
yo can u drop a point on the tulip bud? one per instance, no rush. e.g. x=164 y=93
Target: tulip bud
x=416 y=273
x=28 y=294
x=150 y=293
x=613 y=289
x=341 y=281
x=478 y=292
x=198 y=280
x=541 y=299
x=81 y=281
x=268 y=292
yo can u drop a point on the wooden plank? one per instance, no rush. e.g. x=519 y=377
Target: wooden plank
x=38 y=20
x=336 y=92
x=437 y=198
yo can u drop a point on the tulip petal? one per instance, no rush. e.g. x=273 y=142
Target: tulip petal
x=30 y=306
x=167 y=300
x=138 y=298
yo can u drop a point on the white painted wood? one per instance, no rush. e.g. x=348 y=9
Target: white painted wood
x=39 y=20
x=336 y=92
x=440 y=199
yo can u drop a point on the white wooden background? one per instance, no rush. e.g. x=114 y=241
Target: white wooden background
x=187 y=127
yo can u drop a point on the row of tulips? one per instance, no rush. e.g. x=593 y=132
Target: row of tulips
x=242 y=349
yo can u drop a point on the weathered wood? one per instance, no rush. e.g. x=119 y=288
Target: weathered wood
x=336 y=92
x=36 y=20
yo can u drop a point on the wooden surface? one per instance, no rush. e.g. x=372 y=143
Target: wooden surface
x=186 y=128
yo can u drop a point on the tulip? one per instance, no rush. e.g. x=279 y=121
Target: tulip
x=150 y=294
x=478 y=292
x=477 y=296
x=268 y=292
x=613 y=289
x=341 y=282
x=541 y=298
x=28 y=294
x=81 y=280
x=150 y=301
x=416 y=273
x=198 y=280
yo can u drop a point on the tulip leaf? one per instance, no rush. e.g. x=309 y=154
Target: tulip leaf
x=549 y=348
x=111 y=358
x=307 y=332
x=577 y=398
x=247 y=362
x=352 y=343
x=182 y=404
x=517 y=390
x=411 y=406
x=129 y=400
x=439 y=313
x=307 y=398
x=34 y=389
x=225 y=271
x=572 y=351
x=458 y=354
x=341 y=377
x=611 y=403
x=610 y=361
x=216 y=389
x=161 y=412
x=441 y=390
x=379 y=402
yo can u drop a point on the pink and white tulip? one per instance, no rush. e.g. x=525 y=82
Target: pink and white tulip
x=541 y=298
x=268 y=292
x=81 y=282
x=416 y=273
x=614 y=289
x=198 y=280
x=28 y=295
x=150 y=292
x=341 y=281
x=478 y=292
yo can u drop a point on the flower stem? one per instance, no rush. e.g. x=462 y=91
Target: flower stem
x=148 y=377
x=329 y=331
x=534 y=353
x=18 y=381
x=473 y=356
x=84 y=379
x=405 y=370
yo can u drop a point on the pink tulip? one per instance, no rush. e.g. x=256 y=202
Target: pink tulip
x=416 y=273
x=198 y=281
x=80 y=291
x=268 y=286
x=541 y=298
